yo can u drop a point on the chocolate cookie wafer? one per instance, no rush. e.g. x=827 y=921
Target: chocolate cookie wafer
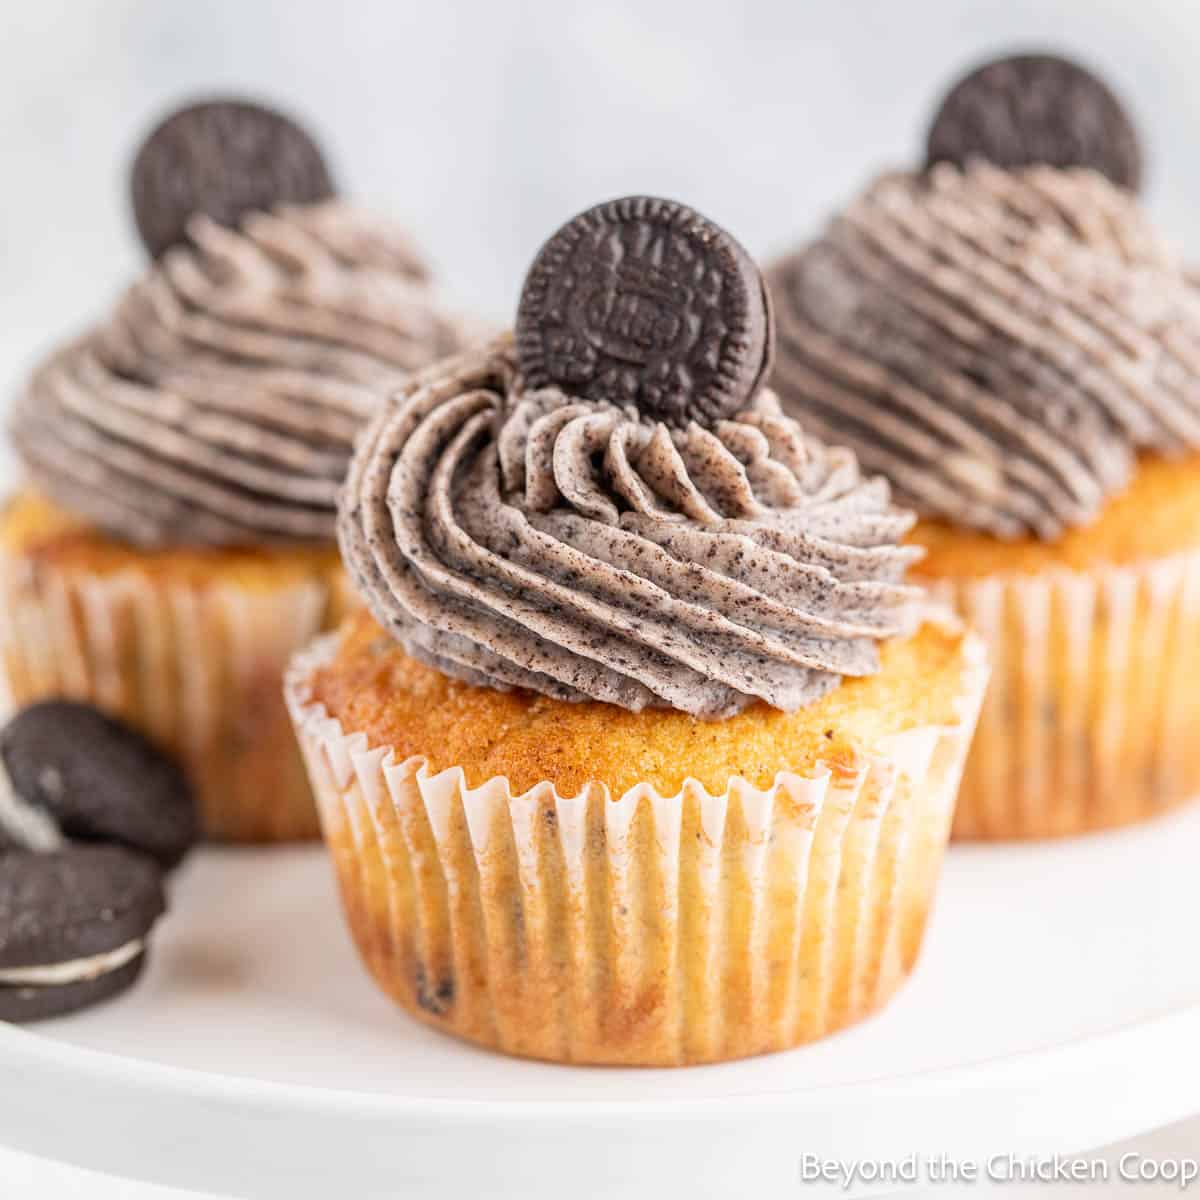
x=74 y=924
x=1036 y=108
x=643 y=301
x=222 y=159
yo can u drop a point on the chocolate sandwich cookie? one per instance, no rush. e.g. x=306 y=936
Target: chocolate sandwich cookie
x=91 y=815
x=92 y=779
x=643 y=301
x=74 y=924
x=222 y=159
x=1032 y=109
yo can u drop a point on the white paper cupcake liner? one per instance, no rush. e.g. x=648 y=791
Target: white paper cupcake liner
x=645 y=929
x=198 y=667
x=1092 y=718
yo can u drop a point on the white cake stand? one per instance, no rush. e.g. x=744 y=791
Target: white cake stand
x=1057 y=1008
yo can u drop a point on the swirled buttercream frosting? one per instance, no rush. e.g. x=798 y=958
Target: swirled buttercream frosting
x=999 y=344
x=217 y=405
x=525 y=537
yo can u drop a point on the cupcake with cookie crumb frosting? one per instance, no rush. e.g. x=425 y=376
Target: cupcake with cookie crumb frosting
x=1006 y=338
x=643 y=750
x=173 y=543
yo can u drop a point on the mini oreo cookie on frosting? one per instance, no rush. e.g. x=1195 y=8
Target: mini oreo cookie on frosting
x=222 y=159
x=90 y=816
x=1028 y=109
x=643 y=301
x=610 y=508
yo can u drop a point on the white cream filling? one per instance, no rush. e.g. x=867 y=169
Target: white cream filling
x=77 y=970
x=26 y=825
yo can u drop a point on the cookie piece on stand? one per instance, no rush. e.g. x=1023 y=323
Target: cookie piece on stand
x=74 y=925
x=91 y=817
x=98 y=780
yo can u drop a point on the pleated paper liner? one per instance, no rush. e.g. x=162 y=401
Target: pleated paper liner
x=198 y=667
x=646 y=930
x=1092 y=718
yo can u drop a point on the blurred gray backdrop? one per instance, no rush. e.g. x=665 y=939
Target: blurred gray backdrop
x=483 y=125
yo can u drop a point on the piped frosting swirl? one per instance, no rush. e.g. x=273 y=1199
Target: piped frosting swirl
x=217 y=405
x=999 y=344
x=526 y=538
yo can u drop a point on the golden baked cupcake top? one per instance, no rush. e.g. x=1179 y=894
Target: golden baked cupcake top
x=1000 y=341
x=613 y=508
x=217 y=404
x=416 y=710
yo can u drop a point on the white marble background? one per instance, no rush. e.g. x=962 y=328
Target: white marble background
x=483 y=125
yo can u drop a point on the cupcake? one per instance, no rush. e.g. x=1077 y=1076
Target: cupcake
x=1004 y=336
x=173 y=543
x=642 y=751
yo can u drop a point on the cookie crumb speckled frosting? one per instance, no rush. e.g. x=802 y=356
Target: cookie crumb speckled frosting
x=526 y=536
x=218 y=403
x=1000 y=344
